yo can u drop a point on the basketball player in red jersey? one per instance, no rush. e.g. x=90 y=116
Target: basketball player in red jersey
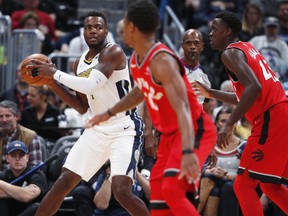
x=188 y=133
x=260 y=96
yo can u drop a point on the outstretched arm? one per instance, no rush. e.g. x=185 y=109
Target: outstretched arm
x=129 y=101
x=207 y=92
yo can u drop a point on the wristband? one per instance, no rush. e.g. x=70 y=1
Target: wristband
x=187 y=151
x=110 y=113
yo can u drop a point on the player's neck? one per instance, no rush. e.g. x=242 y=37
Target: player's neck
x=143 y=46
x=93 y=51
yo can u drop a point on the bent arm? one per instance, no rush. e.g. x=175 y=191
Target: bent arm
x=22 y=194
x=235 y=61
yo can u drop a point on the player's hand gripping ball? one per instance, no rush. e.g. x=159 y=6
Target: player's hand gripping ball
x=31 y=76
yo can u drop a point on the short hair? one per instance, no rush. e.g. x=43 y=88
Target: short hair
x=29 y=15
x=144 y=14
x=281 y=3
x=96 y=14
x=232 y=20
x=11 y=106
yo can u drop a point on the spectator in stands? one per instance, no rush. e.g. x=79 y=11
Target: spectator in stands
x=251 y=22
x=41 y=116
x=30 y=20
x=119 y=39
x=45 y=20
x=193 y=45
x=21 y=197
x=11 y=131
x=272 y=47
x=7 y=7
x=282 y=15
x=227 y=87
x=104 y=199
x=217 y=182
x=209 y=8
x=17 y=93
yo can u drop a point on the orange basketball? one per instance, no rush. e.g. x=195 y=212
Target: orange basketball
x=27 y=76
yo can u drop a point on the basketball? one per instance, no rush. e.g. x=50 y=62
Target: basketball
x=30 y=77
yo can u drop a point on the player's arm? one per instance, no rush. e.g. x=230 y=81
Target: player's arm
x=110 y=59
x=236 y=62
x=22 y=194
x=129 y=101
x=208 y=92
x=165 y=69
x=78 y=101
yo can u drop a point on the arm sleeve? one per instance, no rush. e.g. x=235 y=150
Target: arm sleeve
x=85 y=85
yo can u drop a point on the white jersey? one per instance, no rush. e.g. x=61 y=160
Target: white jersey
x=116 y=87
x=198 y=75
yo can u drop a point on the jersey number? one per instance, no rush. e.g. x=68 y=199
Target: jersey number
x=267 y=71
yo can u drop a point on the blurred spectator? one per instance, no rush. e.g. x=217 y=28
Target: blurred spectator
x=282 y=14
x=251 y=22
x=7 y=7
x=104 y=200
x=227 y=87
x=216 y=186
x=209 y=8
x=119 y=39
x=11 y=130
x=46 y=22
x=24 y=196
x=30 y=20
x=272 y=47
x=18 y=93
x=243 y=129
x=41 y=116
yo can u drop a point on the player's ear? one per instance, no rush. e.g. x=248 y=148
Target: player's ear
x=228 y=32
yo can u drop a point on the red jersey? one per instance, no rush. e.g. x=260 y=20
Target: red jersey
x=272 y=91
x=162 y=114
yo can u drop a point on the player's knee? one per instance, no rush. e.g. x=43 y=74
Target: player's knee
x=122 y=188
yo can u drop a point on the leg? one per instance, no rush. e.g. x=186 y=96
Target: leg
x=174 y=192
x=206 y=185
x=245 y=189
x=122 y=190
x=53 y=199
x=211 y=207
x=228 y=201
x=83 y=199
x=277 y=193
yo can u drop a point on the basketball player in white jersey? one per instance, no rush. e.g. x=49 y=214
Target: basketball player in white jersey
x=102 y=79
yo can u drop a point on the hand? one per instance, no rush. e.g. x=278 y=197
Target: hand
x=223 y=134
x=45 y=69
x=201 y=89
x=97 y=119
x=190 y=168
x=212 y=159
x=219 y=172
x=151 y=145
